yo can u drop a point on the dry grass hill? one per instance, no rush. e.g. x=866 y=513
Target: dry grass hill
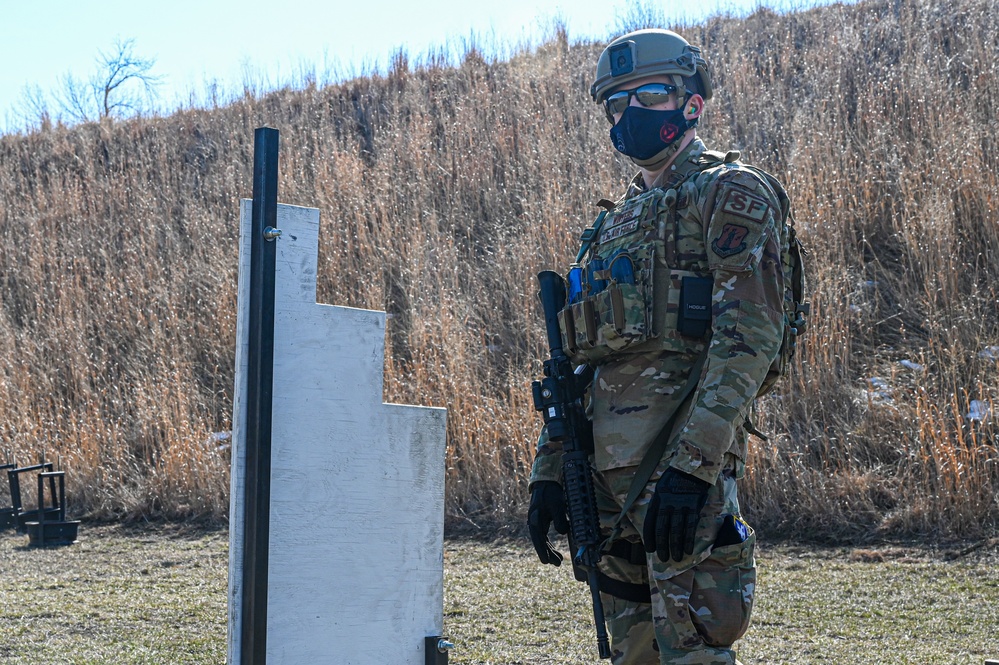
x=445 y=187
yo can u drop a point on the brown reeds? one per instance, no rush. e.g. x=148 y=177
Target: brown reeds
x=444 y=188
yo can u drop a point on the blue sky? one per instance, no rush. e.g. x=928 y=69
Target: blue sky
x=195 y=42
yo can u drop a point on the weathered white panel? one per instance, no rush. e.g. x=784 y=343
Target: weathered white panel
x=357 y=486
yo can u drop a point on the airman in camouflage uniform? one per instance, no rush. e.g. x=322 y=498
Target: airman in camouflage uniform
x=677 y=300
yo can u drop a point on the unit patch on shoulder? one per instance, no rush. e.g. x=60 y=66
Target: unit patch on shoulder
x=742 y=203
x=731 y=241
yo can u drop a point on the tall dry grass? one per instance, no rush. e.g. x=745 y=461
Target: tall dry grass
x=445 y=187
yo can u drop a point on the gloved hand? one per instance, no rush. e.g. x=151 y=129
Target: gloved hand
x=547 y=506
x=671 y=523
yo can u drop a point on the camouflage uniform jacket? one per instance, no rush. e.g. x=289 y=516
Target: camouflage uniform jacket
x=713 y=223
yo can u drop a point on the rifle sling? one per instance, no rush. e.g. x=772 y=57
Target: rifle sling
x=633 y=553
x=635 y=593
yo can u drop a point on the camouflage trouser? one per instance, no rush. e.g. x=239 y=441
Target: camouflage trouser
x=701 y=605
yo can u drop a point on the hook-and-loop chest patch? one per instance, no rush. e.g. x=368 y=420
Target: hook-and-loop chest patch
x=626 y=221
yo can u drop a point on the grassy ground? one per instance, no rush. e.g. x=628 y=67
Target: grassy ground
x=158 y=596
x=117 y=596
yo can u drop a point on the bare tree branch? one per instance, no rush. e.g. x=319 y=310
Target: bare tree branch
x=122 y=84
x=32 y=110
x=74 y=98
x=120 y=73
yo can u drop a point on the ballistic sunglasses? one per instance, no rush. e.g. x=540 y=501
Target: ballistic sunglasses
x=649 y=94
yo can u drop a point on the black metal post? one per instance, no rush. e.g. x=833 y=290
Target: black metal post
x=22 y=516
x=259 y=390
x=52 y=527
x=8 y=514
x=15 y=490
x=41 y=507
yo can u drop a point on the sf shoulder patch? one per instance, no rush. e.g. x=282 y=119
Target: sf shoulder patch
x=744 y=204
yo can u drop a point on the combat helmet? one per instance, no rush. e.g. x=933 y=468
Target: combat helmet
x=647 y=53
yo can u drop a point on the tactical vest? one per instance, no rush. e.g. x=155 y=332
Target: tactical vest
x=642 y=280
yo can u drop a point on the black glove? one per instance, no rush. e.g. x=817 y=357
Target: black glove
x=671 y=523
x=547 y=506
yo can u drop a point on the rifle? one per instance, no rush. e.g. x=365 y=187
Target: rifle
x=559 y=398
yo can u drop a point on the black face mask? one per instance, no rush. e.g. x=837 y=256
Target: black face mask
x=643 y=133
